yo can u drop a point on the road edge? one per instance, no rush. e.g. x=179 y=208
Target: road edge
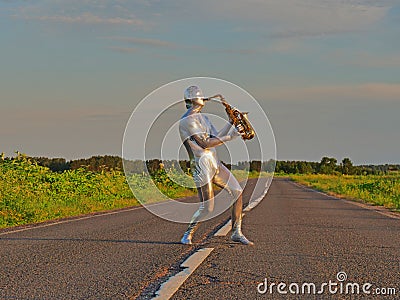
x=376 y=208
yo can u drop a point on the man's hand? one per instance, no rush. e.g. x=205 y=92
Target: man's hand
x=236 y=131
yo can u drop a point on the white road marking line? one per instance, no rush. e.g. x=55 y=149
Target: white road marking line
x=223 y=231
x=257 y=201
x=362 y=205
x=169 y=288
x=254 y=203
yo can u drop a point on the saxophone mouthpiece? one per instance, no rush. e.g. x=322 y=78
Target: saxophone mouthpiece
x=218 y=96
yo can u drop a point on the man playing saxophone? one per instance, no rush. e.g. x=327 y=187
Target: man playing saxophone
x=200 y=138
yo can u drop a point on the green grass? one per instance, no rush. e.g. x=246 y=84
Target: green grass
x=241 y=175
x=30 y=193
x=381 y=190
x=161 y=186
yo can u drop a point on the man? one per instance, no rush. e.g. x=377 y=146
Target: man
x=200 y=138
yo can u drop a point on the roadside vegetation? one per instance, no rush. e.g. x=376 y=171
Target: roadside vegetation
x=39 y=189
x=374 y=189
x=31 y=193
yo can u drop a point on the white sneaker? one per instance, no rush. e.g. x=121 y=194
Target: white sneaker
x=186 y=239
x=240 y=238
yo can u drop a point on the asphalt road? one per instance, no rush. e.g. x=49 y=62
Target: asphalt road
x=300 y=235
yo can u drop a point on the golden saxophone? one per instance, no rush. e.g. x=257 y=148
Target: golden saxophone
x=238 y=119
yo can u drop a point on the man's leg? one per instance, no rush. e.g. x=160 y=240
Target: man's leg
x=206 y=195
x=225 y=179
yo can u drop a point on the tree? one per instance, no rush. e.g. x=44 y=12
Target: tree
x=184 y=165
x=269 y=166
x=304 y=167
x=227 y=165
x=134 y=166
x=97 y=163
x=327 y=165
x=153 y=165
x=347 y=166
x=255 y=165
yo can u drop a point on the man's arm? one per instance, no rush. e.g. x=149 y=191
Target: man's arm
x=209 y=142
x=203 y=140
x=223 y=132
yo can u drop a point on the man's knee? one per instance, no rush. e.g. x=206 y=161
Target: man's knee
x=206 y=208
x=236 y=192
x=209 y=206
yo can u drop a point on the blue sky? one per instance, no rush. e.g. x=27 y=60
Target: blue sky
x=326 y=72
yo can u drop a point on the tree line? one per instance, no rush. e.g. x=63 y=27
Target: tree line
x=330 y=165
x=327 y=165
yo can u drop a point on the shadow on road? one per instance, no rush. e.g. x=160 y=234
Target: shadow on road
x=89 y=240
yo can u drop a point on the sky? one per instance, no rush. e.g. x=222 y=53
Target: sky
x=326 y=72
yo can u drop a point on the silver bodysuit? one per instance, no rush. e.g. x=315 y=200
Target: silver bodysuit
x=200 y=138
x=203 y=161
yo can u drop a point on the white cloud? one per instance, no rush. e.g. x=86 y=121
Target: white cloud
x=123 y=49
x=146 y=42
x=157 y=43
x=278 y=18
x=86 y=18
x=375 y=91
x=79 y=12
x=282 y=18
x=365 y=59
x=287 y=18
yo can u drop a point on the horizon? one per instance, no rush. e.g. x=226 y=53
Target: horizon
x=339 y=160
